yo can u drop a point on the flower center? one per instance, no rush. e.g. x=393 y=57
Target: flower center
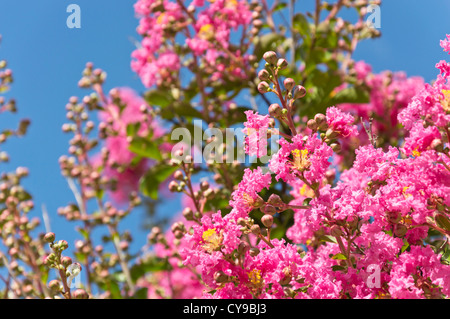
x=211 y=240
x=206 y=32
x=300 y=160
x=445 y=102
x=255 y=277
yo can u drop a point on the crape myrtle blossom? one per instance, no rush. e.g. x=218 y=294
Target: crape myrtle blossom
x=246 y=197
x=256 y=130
x=306 y=158
x=432 y=103
x=207 y=30
x=445 y=44
x=341 y=122
x=360 y=237
x=125 y=108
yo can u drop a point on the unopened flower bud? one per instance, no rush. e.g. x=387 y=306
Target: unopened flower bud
x=312 y=125
x=188 y=214
x=393 y=217
x=178 y=175
x=320 y=118
x=275 y=110
x=271 y=57
x=264 y=75
x=54 y=285
x=66 y=261
x=282 y=64
x=173 y=186
x=269 y=210
x=299 y=92
x=204 y=185
x=221 y=277
x=256 y=230
x=63 y=244
x=331 y=134
x=49 y=237
x=267 y=220
x=263 y=87
x=289 y=83
x=437 y=145
x=400 y=230
x=287 y=276
x=243 y=247
x=253 y=251
x=275 y=200
x=335 y=231
x=80 y=294
x=336 y=147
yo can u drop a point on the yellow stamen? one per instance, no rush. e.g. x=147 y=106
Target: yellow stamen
x=255 y=277
x=206 y=32
x=300 y=160
x=306 y=191
x=248 y=199
x=404 y=192
x=211 y=240
x=415 y=152
x=445 y=102
x=160 y=18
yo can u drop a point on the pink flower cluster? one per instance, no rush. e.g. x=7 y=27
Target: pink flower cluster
x=362 y=237
x=390 y=93
x=153 y=61
x=125 y=108
x=256 y=129
x=207 y=30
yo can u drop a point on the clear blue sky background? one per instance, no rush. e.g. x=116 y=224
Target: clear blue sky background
x=47 y=59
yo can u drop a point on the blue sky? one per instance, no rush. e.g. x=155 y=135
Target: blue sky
x=47 y=59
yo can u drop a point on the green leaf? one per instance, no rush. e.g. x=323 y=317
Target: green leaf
x=339 y=256
x=150 y=182
x=405 y=245
x=350 y=95
x=145 y=148
x=181 y=109
x=301 y=25
x=152 y=264
x=279 y=6
x=159 y=98
x=277 y=232
x=113 y=288
x=141 y=293
x=328 y=238
x=133 y=128
x=443 y=221
x=338 y=268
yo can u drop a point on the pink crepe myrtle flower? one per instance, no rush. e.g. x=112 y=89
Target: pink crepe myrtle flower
x=432 y=103
x=417 y=273
x=341 y=122
x=303 y=158
x=119 y=117
x=445 y=44
x=246 y=197
x=362 y=70
x=420 y=139
x=256 y=130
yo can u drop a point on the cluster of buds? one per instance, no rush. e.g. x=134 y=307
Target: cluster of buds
x=91 y=76
x=287 y=95
x=257 y=22
x=66 y=268
x=398 y=223
x=327 y=134
x=182 y=183
x=6 y=77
